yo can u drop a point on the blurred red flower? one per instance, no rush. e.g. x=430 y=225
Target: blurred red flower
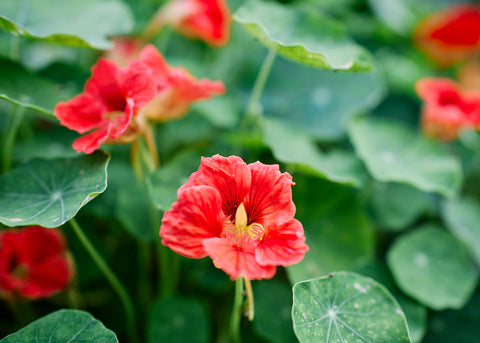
x=33 y=262
x=111 y=99
x=451 y=35
x=447 y=109
x=240 y=215
x=209 y=20
x=176 y=88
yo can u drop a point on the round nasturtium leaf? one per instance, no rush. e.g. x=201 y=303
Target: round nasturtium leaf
x=86 y=23
x=303 y=36
x=63 y=326
x=432 y=267
x=397 y=205
x=293 y=145
x=50 y=192
x=346 y=307
x=462 y=217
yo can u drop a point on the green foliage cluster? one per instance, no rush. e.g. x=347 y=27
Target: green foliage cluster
x=392 y=218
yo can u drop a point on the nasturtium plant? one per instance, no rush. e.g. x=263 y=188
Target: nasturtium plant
x=345 y=306
x=64 y=326
x=50 y=192
x=293 y=143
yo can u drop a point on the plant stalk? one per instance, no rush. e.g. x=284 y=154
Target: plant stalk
x=112 y=279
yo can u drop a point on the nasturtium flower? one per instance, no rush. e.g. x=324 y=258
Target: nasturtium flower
x=33 y=262
x=240 y=215
x=111 y=99
x=208 y=20
x=176 y=88
x=451 y=35
x=447 y=109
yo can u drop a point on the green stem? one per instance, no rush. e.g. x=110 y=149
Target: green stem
x=16 y=117
x=253 y=106
x=235 y=318
x=112 y=279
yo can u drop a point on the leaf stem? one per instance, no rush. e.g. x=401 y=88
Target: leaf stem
x=16 y=117
x=235 y=318
x=112 y=279
x=253 y=106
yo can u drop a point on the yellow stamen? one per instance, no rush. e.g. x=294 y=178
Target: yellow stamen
x=241 y=219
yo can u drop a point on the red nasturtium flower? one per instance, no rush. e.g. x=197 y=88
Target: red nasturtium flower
x=112 y=97
x=451 y=35
x=240 y=215
x=209 y=20
x=176 y=88
x=33 y=262
x=447 y=109
x=117 y=103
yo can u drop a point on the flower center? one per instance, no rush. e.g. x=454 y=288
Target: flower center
x=17 y=270
x=256 y=231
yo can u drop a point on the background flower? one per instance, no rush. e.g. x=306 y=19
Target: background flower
x=176 y=88
x=451 y=35
x=33 y=262
x=111 y=99
x=447 y=108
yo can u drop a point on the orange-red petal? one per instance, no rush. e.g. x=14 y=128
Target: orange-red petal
x=269 y=200
x=195 y=216
x=230 y=176
x=283 y=245
x=236 y=262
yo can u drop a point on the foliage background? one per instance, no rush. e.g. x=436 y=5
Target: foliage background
x=372 y=193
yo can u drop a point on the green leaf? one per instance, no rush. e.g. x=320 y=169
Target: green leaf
x=64 y=326
x=393 y=152
x=336 y=229
x=303 y=36
x=177 y=320
x=29 y=90
x=455 y=326
x=292 y=145
x=50 y=192
x=273 y=297
x=463 y=218
x=415 y=313
x=320 y=101
x=85 y=23
x=165 y=182
x=344 y=307
x=397 y=205
x=134 y=208
x=433 y=268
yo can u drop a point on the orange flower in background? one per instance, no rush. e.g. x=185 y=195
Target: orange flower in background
x=447 y=109
x=451 y=35
x=176 y=88
x=240 y=215
x=208 y=20
x=33 y=262
x=112 y=97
